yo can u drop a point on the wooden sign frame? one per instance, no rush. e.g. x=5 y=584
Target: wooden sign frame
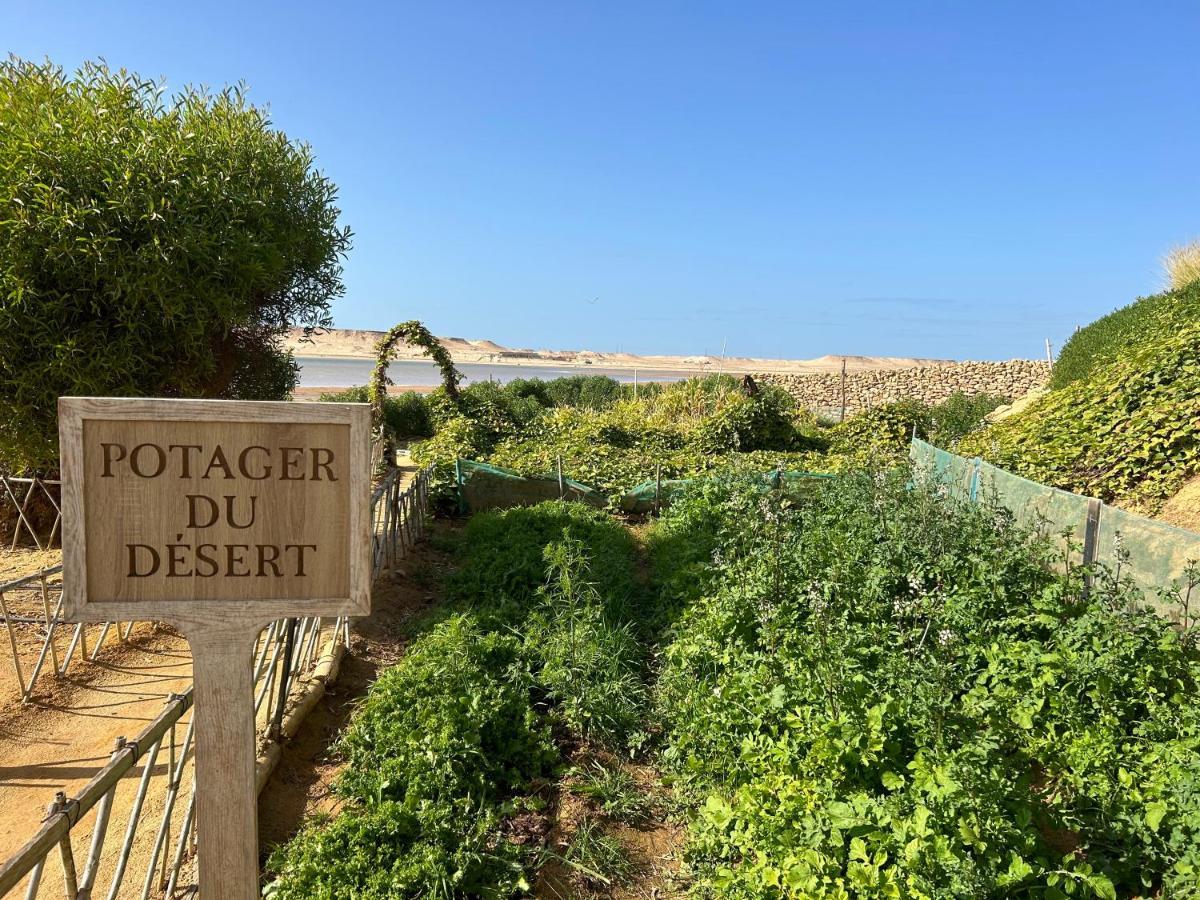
x=79 y=606
x=222 y=628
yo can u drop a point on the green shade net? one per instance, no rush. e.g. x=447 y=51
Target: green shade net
x=940 y=467
x=1156 y=556
x=1046 y=511
x=483 y=486
x=489 y=487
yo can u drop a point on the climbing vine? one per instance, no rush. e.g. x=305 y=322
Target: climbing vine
x=415 y=335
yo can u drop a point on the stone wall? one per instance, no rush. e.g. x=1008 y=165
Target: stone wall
x=932 y=384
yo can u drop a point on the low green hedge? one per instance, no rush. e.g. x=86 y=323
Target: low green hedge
x=1121 y=332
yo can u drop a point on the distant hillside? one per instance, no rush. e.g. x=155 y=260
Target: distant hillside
x=355 y=344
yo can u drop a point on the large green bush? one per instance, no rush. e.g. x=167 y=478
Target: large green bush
x=1123 y=331
x=149 y=245
x=876 y=693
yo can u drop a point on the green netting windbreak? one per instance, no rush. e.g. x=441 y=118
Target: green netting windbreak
x=489 y=487
x=942 y=467
x=652 y=495
x=1047 y=511
x=1156 y=557
x=482 y=486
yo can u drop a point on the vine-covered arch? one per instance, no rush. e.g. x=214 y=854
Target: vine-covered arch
x=415 y=335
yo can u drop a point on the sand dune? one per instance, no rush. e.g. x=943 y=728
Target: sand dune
x=354 y=344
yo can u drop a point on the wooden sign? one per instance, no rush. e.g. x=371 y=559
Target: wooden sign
x=216 y=517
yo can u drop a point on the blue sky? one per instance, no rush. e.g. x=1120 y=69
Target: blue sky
x=956 y=179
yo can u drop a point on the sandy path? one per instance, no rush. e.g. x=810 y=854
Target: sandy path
x=68 y=733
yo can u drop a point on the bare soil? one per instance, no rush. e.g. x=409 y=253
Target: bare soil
x=23 y=560
x=652 y=847
x=60 y=740
x=1183 y=510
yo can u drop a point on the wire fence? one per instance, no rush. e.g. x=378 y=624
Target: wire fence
x=22 y=496
x=149 y=783
x=399 y=513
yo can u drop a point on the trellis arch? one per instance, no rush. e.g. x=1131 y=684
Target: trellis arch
x=414 y=334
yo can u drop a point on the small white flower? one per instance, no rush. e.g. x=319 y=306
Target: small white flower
x=945 y=636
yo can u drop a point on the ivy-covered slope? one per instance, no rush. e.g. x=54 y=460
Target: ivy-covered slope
x=1126 y=431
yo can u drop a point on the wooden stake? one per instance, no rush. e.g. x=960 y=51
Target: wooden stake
x=843 y=389
x=227 y=806
x=562 y=491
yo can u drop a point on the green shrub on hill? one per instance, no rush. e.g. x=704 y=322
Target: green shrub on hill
x=1123 y=331
x=881 y=435
x=1125 y=433
x=959 y=415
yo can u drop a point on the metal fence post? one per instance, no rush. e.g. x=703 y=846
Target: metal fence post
x=1091 y=541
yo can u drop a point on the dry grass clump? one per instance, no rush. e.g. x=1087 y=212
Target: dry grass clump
x=1183 y=265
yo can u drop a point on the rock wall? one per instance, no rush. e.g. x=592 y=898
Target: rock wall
x=931 y=384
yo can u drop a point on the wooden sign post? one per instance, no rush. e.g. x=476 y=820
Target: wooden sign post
x=217 y=517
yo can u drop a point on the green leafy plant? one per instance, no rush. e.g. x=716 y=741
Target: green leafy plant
x=406 y=415
x=150 y=245
x=444 y=740
x=873 y=692
x=589 y=661
x=451 y=739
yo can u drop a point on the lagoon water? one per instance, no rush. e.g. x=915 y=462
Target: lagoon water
x=343 y=372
